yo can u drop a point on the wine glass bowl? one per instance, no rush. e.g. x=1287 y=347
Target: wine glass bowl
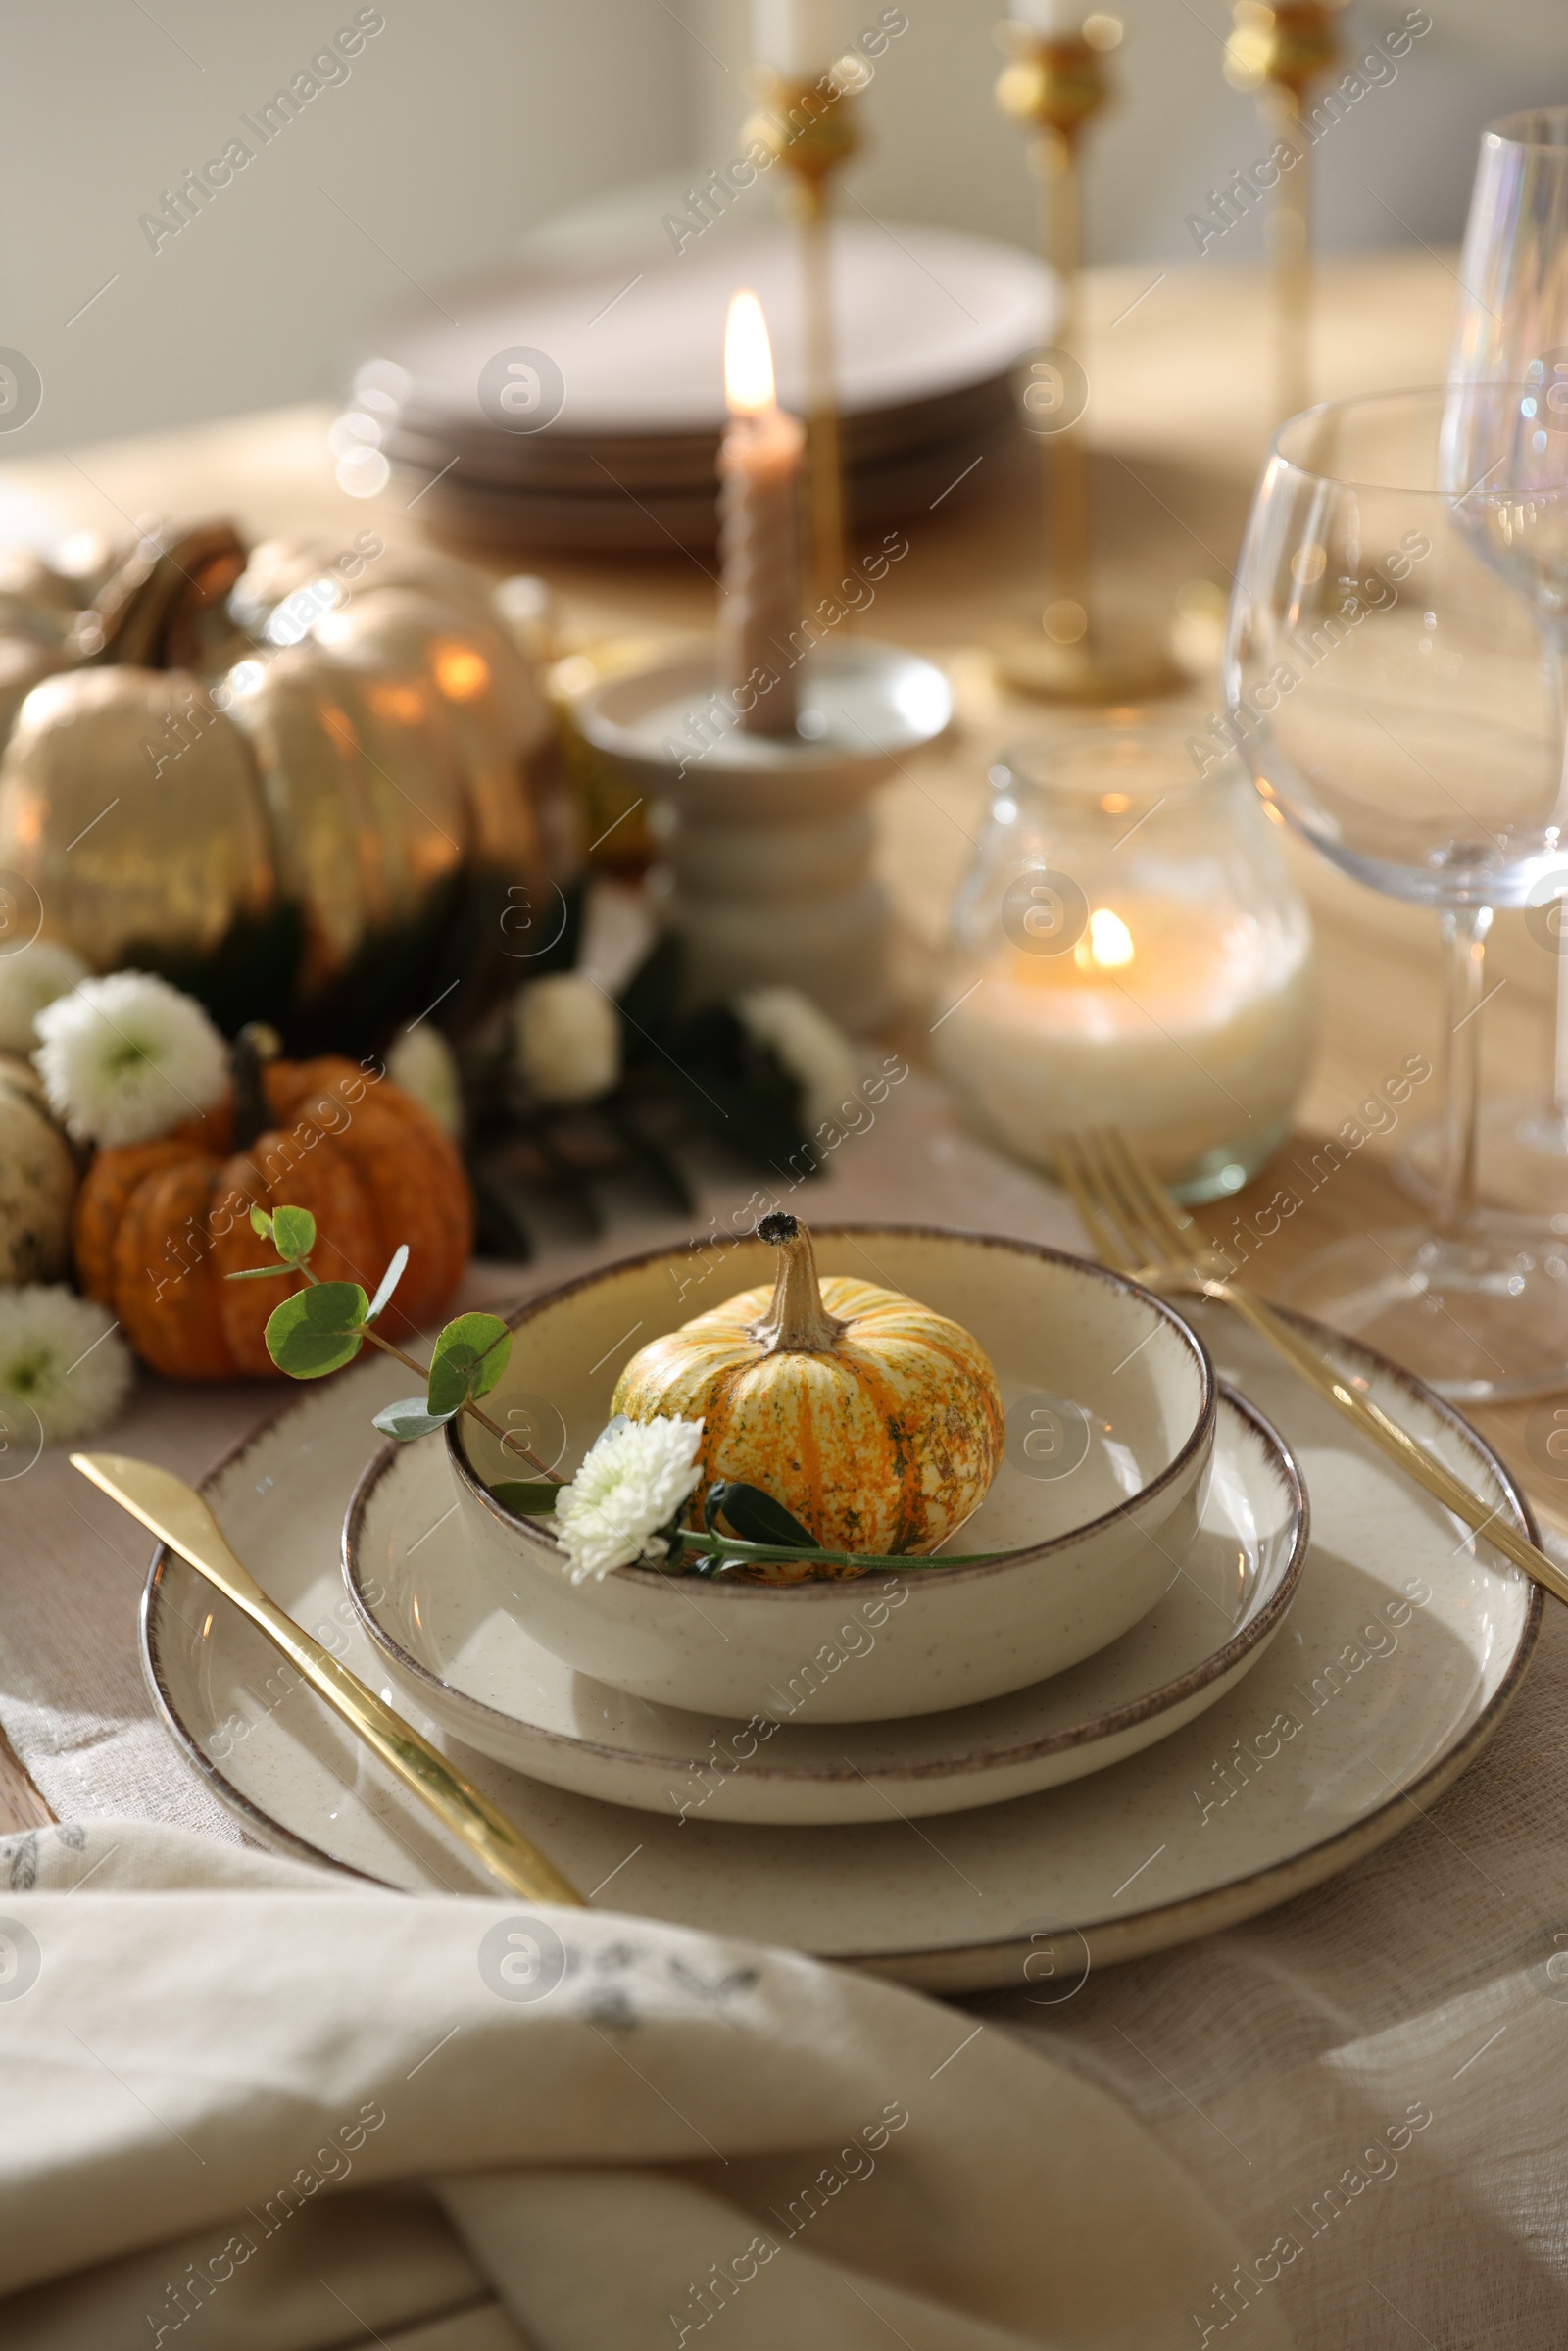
x=1385 y=678
x=1383 y=675
x=1512 y=326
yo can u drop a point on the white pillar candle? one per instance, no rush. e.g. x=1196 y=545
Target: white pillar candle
x=1050 y=19
x=759 y=531
x=800 y=38
x=1189 y=1038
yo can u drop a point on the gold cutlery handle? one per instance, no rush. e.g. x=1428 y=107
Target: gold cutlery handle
x=488 y=1834
x=1493 y=1523
x=178 y=1515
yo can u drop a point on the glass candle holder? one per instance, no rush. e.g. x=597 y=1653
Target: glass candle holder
x=1129 y=949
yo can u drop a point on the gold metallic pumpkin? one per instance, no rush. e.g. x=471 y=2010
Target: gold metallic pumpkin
x=317 y=824
x=877 y=1423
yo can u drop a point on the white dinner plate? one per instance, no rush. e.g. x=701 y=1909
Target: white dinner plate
x=454 y=1655
x=1404 y=1644
x=631 y=344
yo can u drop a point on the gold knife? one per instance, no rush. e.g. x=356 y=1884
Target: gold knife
x=177 y=1515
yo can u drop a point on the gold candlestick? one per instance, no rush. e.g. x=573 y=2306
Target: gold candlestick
x=1057 y=83
x=1279 y=52
x=811 y=127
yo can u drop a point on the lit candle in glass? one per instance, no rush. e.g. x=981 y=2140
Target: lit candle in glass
x=760 y=531
x=1129 y=950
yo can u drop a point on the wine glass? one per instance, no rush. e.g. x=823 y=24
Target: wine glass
x=1385 y=681
x=1512 y=326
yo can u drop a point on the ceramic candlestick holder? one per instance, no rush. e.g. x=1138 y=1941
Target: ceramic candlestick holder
x=768 y=840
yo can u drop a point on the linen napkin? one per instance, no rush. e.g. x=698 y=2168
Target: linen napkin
x=248 y=2104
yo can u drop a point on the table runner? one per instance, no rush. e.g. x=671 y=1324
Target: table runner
x=1286 y=2064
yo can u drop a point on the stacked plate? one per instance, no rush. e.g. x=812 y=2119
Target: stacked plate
x=577 y=400
x=1280 y=1704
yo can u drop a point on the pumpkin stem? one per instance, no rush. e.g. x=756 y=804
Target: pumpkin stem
x=797 y=1322
x=252 y=1050
x=151 y=613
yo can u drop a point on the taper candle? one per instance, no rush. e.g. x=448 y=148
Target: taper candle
x=1050 y=19
x=760 y=532
x=798 y=36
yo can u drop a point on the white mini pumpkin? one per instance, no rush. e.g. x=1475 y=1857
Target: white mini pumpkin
x=38 y=1179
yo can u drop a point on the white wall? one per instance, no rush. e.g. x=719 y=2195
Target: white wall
x=462 y=123
x=465 y=122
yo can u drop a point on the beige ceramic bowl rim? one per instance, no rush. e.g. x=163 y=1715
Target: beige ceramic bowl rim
x=830 y=1589
x=1091 y=1729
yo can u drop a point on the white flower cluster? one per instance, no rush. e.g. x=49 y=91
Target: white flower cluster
x=631 y=1484
x=566 y=1037
x=64 y=1369
x=29 y=979
x=127 y=1057
x=423 y=1064
x=813 y=1050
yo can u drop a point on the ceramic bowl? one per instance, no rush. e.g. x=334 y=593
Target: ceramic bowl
x=1110 y=1427
x=452 y=1656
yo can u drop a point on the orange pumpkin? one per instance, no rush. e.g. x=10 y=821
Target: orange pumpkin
x=160 y=1225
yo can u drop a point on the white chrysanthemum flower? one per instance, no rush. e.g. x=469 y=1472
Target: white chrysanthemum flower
x=814 y=1048
x=28 y=980
x=129 y=1056
x=64 y=1367
x=566 y=1033
x=425 y=1065
x=630 y=1484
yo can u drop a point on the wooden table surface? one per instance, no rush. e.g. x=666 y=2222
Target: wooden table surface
x=1178 y=415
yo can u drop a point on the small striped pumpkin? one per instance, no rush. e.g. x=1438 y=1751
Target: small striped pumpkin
x=875 y=1422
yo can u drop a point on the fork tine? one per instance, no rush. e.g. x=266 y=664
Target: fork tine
x=1175 y=1229
x=1121 y=1198
x=1076 y=1170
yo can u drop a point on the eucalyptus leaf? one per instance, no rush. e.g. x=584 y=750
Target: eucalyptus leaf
x=526 y=1497
x=318 y=1330
x=469 y=1357
x=389 y=1279
x=293 y=1233
x=409 y=1419
x=261 y=1273
x=753 y=1516
x=261 y=1222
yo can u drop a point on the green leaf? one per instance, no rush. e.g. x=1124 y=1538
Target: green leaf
x=389 y=1279
x=526 y=1498
x=753 y=1516
x=261 y=1273
x=318 y=1330
x=261 y=1222
x=469 y=1357
x=409 y=1419
x=293 y=1234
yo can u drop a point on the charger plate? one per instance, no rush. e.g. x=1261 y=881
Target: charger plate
x=1405 y=1642
x=428 y=1606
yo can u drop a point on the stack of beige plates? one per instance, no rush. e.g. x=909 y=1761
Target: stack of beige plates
x=577 y=402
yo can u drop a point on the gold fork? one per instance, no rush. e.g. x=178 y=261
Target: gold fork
x=1135 y=1226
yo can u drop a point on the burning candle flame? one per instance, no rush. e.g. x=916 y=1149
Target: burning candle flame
x=1109 y=942
x=748 y=358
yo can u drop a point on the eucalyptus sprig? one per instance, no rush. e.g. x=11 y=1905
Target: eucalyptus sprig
x=764 y=1532
x=324 y=1325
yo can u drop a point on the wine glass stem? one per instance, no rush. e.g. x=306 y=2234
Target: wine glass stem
x=1557 y=674
x=1464 y=929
